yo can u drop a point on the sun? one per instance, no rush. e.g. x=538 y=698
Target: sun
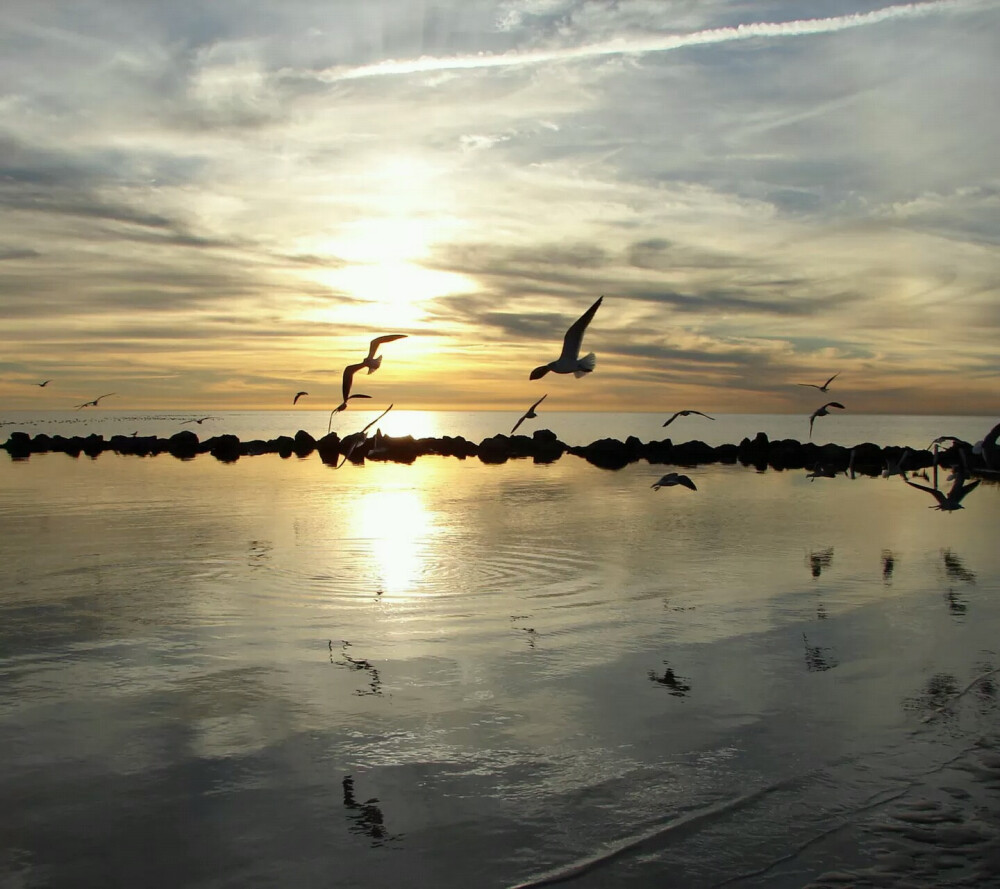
x=383 y=252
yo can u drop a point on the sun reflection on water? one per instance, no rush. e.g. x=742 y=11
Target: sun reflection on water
x=398 y=526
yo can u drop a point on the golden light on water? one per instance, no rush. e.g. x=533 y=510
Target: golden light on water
x=398 y=527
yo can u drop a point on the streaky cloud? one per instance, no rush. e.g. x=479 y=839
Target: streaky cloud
x=641 y=46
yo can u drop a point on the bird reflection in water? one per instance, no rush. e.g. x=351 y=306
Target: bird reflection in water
x=676 y=685
x=529 y=632
x=957 y=606
x=366 y=818
x=817 y=659
x=374 y=679
x=955 y=568
x=888 y=565
x=820 y=560
x=259 y=553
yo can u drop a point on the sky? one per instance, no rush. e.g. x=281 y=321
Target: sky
x=216 y=205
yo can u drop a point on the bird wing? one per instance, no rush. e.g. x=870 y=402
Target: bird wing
x=966 y=488
x=700 y=414
x=574 y=336
x=684 y=480
x=827 y=383
x=518 y=423
x=298 y=395
x=349 y=373
x=937 y=494
x=671 y=420
x=540 y=400
x=811 y=385
x=388 y=338
x=834 y=404
x=379 y=417
x=99 y=397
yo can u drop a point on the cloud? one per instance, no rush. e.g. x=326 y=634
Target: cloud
x=635 y=45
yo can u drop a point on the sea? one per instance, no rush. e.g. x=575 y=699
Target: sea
x=274 y=672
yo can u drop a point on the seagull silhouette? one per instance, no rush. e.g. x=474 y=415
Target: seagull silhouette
x=298 y=395
x=44 y=383
x=530 y=415
x=94 y=402
x=348 y=380
x=671 y=479
x=825 y=386
x=686 y=414
x=953 y=499
x=199 y=420
x=822 y=412
x=370 y=361
x=352 y=442
x=569 y=360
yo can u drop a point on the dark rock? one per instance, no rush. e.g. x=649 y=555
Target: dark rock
x=225 y=448
x=19 y=445
x=304 y=445
x=495 y=449
x=607 y=453
x=184 y=445
x=691 y=453
x=329 y=448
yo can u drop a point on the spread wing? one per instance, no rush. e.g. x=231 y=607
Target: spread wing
x=574 y=336
x=379 y=417
x=388 y=338
x=671 y=420
x=298 y=395
x=827 y=383
x=531 y=409
x=937 y=494
x=349 y=373
x=834 y=404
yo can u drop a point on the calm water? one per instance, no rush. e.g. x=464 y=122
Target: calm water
x=450 y=674
x=578 y=428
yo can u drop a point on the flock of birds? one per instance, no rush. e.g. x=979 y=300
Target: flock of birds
x=571 y=362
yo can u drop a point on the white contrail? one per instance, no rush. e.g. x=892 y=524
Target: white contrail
x=638 y=46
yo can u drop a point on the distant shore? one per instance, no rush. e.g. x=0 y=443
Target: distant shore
x=541 y=447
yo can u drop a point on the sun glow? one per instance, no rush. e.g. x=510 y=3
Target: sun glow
x=398 y=527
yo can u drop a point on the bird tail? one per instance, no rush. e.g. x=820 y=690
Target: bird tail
x=585 y=365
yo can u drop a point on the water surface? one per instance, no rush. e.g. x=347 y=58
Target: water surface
x=272 y=672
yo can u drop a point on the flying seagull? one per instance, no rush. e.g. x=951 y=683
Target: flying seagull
x=825 y=386
x=530 y=415
x=674 y=478
x=298 y=395
x=199 y=420
x=94 y=402
x=685 y=414
x=370 y=361
x=44 y=383
x=352 y=442
x=348 y=380
x=822 y=412
x=953 y=499
x=569 y=361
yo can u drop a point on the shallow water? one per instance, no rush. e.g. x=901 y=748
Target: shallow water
x=272 y=672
